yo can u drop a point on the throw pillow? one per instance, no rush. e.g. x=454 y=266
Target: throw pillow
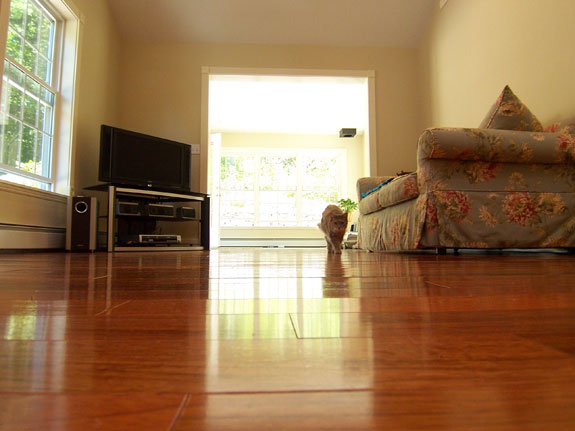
x=376 y=188
x=509 y=113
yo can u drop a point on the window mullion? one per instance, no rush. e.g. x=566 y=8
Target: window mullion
x=30 y=74
x=299 y=189
x=26 y=174
x=256 y=189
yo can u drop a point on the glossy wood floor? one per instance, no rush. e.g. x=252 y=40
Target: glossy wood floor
x=287 y=339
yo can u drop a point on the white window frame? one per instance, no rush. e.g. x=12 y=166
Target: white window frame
x=65 y=83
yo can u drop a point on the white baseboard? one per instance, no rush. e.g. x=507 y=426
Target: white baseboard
x=271 y=242
x=31 y=237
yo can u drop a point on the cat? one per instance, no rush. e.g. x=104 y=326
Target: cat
x=333 y=225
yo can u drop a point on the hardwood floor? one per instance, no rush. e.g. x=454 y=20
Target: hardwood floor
x=287 y=339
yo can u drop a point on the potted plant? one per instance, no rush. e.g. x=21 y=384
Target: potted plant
x=347 y=206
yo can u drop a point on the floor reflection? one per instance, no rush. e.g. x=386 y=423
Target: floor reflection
x=266 y=288
x=282 y=301
x=24 y=325
x=249 y=326
x=289 y=365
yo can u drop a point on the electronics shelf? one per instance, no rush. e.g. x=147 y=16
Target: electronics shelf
x=155 y=220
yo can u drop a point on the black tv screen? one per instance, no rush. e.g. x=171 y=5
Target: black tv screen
x=134 y=159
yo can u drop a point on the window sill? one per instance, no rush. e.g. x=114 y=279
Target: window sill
x=8 y=187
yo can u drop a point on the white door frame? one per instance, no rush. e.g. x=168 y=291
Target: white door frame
x=370 y=149
x=371 y=146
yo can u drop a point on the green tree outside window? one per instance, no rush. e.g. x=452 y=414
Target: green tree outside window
x=27 y=100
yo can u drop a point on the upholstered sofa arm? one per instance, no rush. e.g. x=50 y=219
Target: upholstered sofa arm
x=491 y=145
x=366 y=184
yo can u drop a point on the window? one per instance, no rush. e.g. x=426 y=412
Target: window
x=30 y=148
x=283 y=188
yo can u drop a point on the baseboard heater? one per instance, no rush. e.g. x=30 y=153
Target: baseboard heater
x=20 y=237
x=272 y=242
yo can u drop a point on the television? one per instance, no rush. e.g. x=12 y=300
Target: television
x=143 y=161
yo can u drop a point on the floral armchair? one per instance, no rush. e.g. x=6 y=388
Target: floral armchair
x=497 y=186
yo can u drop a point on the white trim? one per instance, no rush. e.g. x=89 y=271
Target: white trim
x=274 y=151
x=21 y=190
x=287 y=72
x=53 y=88
x=65 y=130
x=370 y=143
x=4 y=20
x=24 y=174
x=28 y=238
x=370 y=149
x=272 y=242
x=69 y=10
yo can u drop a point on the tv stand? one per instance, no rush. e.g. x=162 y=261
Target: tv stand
x=136 y=216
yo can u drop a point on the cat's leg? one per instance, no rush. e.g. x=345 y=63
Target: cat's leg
x=328 y=244
x=337 y=247
x=332 y=245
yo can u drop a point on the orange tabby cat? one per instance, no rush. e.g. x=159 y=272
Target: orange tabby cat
x=333 y=225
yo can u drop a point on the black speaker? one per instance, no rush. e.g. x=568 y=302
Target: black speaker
x=82 y=229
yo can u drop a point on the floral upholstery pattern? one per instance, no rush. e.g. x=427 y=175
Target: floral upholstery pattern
x=478 y=188
x=509 y=113
x=401 y=189
x=564 y=127
x=364 y=185
x=494 y=160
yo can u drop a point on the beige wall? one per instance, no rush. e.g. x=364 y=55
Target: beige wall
x=98 y=92
x=95 y=104
x=160 y=90
x=473 y=48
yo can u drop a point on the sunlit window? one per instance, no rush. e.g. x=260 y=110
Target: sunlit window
x=28 y=95
x=281 y=188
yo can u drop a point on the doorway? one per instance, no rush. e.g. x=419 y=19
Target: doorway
x=264 y=118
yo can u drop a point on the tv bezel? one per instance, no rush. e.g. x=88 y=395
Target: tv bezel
x=106 y=162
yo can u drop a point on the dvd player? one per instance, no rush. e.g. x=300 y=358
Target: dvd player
x=159 y=239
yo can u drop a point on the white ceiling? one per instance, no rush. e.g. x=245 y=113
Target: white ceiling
x=309 y=22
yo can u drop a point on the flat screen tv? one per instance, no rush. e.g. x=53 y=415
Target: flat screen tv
x=134 y=159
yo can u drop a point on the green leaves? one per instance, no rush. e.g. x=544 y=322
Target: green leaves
x=31 y=38
x=347 y=205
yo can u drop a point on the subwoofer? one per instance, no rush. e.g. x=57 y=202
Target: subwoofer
x=82 y=229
